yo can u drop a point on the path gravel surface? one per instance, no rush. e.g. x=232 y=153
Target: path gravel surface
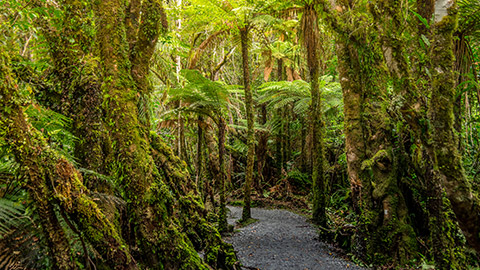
x=282 y=240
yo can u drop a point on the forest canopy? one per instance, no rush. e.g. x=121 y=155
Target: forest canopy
x=126 y=127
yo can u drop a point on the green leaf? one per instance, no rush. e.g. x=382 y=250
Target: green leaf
x=421 y=19
x=425 y=40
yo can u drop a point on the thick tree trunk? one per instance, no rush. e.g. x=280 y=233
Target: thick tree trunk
x=81 y=96
x=51 y=180
x=149 y=203
x=385 y=231
x=444 y=169
x=311 y=40
x=353 y=99
x=372 y=165
x=246 y=214
x=466 y=205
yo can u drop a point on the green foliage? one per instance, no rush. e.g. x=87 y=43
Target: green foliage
x=21 y=243
x=469 y=19
x=297 y=93
x=302 y=182
x=200 y=94
x=10 y=215
x=55 y=127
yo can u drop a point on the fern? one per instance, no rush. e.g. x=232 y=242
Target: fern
x=469 y=20
x=21 y=243
x=55 y=127
x=201 y=96
x=10 y=216
x=297 y=93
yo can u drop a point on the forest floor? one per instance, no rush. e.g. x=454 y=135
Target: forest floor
x=281 y=240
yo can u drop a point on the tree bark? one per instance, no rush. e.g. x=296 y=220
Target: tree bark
x=222 y=216
x=52 y=180
x=199 y=159
x=262 y=149
x=385 y=232
x=246 y=214
x=167 y=221
x=441 y=114
x=311 y=40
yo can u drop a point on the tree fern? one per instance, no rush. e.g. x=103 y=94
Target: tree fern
x=21 y=243
x=280 y=94
x=469 y=20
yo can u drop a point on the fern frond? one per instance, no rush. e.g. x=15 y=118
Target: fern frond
x=469 y=19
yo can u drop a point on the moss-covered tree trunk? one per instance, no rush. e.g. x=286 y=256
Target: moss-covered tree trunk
x=81 y=100
x=311 y=43
x=166 y=218
x=446 y=158
x=53 y=181
x=246 y=214
x=157 y=235
x=444 y=172
x=385 y=232
x=353 y=99
x=440 y=224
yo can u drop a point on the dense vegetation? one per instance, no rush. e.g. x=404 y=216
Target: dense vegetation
x=127 y=126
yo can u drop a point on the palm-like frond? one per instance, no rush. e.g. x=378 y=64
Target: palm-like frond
x=297 y=93
x=468 y=34
x=296 y=96
x=20 y=240
x=279 y=94
x=469 y=20
x=200 y=92
x=10 y=215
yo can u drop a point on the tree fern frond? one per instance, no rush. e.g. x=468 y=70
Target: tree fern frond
x=10 y=215
x=469 y=19
x=21 y=243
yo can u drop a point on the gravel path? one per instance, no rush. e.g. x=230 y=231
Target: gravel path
x=282 y=240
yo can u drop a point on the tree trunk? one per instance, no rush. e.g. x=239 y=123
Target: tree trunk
x=81 y=95
x=213 y=166
x=279 y=135
x=372 y=165
x=246 y=214
x=385 y=231
x=51 y=181
x=261 y=151
x=441 y=114
x=167 y=221
x=144 y=187
x=311 y=40
x=222 y=216
x=199 y=159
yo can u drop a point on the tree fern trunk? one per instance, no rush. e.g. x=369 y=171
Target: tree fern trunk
x=222 y=216
x=199 y=159
x=311 y=40
x=246 y=214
